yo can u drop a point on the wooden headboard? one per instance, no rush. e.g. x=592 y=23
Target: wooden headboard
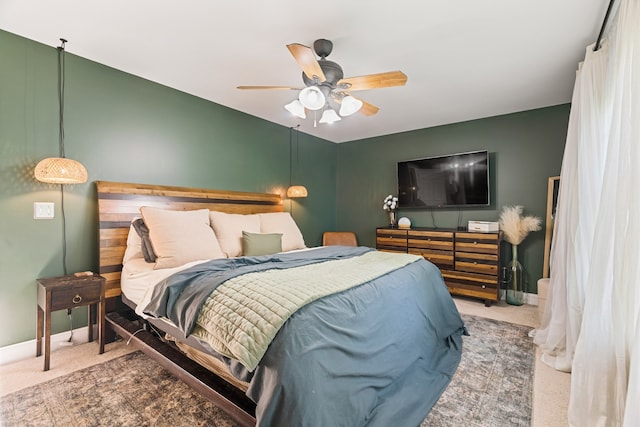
x=119 y=203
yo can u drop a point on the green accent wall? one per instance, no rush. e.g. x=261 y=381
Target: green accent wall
x=525 y=149
x=123 y=128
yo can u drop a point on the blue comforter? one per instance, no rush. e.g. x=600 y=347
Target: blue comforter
x=380 y=354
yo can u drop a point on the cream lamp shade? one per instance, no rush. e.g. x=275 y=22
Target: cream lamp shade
x=296 y=108
x=329 y=116
x=296 y=191
x=350 y=105
x=312 y=98
x=60 y=170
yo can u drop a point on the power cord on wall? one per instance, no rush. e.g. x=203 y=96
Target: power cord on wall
x=70 y=340
x=433 y=218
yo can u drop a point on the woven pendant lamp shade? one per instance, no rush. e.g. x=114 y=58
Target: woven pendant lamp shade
x=296 y=191
x=60 y=170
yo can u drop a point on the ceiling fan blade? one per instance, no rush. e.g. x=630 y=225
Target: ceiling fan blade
x=375 y=81
x=305 y=57
x=269 y=87
x=368 y=109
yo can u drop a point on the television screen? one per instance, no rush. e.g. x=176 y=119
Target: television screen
x=456 y=180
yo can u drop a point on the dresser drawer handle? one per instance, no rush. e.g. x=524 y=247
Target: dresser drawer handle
x=484 y=286
x=77 y=299
x=475 y=262
x=475 y=243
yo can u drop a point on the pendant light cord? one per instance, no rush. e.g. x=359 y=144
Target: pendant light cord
x=61 y=72
x=291 y=174
x=291 y=167
x=61 y=80
x=290 y=156
x=297 y=149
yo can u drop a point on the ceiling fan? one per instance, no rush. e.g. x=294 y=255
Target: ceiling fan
x=324 y=80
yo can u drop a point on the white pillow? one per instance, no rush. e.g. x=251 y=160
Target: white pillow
x=134 y=246
x=179 y=237
x=229 y=228
x=282 y=222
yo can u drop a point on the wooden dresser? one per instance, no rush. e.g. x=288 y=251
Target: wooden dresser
x=469 y=261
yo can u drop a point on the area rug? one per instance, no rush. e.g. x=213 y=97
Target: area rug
x=492 y=387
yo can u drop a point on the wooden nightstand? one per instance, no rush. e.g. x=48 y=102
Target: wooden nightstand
x=66 y=292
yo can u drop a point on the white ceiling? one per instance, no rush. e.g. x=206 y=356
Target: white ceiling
x=464 y=59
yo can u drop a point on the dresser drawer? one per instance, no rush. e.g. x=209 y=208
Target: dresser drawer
x=471 y=284
x=443 y=259
x=391 y=233
x=391 y=239
x=487 y=243
x=438 y=240
x=477 y=263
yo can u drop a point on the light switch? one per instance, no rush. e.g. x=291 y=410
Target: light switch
x=43 y=210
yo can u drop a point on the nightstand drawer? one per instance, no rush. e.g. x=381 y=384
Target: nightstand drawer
x=68 y=297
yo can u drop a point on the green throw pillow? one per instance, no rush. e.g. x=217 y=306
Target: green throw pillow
x=254 y=244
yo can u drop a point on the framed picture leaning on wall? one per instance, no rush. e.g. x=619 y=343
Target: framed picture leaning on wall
x=552 y=203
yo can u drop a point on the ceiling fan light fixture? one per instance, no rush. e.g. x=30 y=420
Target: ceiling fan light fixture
x=350 y=105
x=296 y=108
x=312 y=98
x=329 y=116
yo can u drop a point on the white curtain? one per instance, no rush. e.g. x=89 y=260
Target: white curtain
x=591 y=324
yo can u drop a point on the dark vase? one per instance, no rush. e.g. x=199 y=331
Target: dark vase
x=515 y=288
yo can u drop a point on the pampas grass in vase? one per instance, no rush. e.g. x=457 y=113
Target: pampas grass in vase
x=515 y=228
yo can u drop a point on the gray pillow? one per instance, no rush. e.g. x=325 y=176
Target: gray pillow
x=254 y=244
x=143 y=231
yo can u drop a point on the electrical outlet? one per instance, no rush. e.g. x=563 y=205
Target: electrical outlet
x=43 y=210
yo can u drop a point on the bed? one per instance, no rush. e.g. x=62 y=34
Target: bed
x=273 y=332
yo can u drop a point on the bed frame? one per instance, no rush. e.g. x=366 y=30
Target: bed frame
x=118 y=205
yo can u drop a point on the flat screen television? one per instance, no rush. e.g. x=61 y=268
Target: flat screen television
x=452 y=181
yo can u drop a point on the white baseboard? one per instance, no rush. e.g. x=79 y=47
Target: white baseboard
x=531 y=299
x=24 y=350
